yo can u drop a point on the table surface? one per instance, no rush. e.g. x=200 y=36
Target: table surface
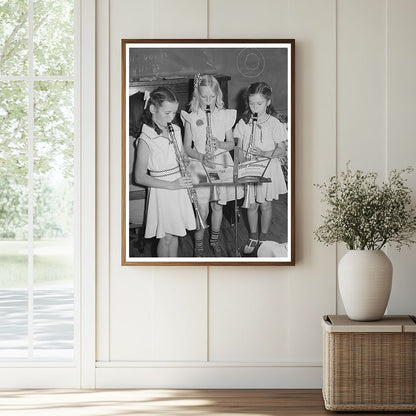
x=389 y=323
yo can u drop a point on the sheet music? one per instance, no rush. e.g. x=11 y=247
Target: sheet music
x=253 y=169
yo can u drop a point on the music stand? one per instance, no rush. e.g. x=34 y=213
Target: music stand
x=237 y=180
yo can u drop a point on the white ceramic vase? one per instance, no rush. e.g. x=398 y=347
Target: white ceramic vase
x=364 y=278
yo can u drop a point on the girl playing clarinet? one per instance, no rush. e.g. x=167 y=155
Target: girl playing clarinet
x=208 y=139
x=169 y=208
x=268 y=139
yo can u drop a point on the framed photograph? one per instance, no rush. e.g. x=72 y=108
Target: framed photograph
x=208 y=156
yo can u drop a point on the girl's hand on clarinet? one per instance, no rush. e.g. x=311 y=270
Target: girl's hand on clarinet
x=256 y=151
x=280 y=152
x=217 y=143
x=182 y=183
x=186 y=160
x=208 y=161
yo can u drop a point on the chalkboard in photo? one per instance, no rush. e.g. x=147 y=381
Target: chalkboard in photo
x=169 y=63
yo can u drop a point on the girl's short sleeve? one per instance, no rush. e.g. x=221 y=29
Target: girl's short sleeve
x=230 y=117
x=145 y=139
x=178 y=135
x=279 y=132
x=239 y=129
x=185 y=117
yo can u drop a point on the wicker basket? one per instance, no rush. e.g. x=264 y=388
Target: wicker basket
x=369 y=366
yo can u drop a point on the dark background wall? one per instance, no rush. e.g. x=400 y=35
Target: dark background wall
x=243 y=65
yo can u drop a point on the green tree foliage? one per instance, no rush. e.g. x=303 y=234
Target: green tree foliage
x=53 y=37
x=13 y=209
x=13 y=129
x=13 y=37
x=53 y=209
x=54 y=127
x=13 y=159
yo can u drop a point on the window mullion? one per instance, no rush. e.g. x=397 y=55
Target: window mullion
x=30 y=178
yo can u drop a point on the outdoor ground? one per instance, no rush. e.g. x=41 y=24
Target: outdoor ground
x=52 y=321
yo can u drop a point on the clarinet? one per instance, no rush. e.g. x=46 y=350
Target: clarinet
x=249 y=188
x=183 y=168
x=249 y=156
x=211 y=144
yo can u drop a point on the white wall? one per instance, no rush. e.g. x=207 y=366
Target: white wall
x=250 y=326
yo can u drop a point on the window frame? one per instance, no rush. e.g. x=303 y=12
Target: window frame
x=80 y=373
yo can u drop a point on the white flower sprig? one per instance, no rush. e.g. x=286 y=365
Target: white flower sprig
x=365 y=215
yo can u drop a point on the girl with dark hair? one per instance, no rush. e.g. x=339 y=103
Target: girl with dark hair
x=169 y=210
x=267 y=139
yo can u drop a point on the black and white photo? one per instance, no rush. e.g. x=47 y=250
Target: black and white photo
x=208 y=152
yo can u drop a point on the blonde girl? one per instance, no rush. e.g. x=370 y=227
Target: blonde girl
x=207 y=91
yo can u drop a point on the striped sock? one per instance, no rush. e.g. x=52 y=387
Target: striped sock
x=213 y=240
x=199 y=247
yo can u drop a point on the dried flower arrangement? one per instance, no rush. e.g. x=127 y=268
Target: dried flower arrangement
x=366 y=215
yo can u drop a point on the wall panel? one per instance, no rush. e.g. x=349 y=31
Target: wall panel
x=248 y=306
x=246 y=326
x=315 y=137
x=263 y=19
x=162 y=316
x=401 y=134
x=253 y=314
x=146 y=324
x=361 y=84
x=361 y=89
x=312 y=283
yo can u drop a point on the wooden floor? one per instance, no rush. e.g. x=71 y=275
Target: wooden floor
x=166 y=402
x=140 y=247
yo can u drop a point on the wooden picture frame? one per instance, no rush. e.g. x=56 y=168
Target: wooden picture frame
x=148 y=214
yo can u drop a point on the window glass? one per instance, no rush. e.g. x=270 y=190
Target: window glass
x=53 y=185
x=53 y=37
x=37 y=181
x=13 y=219
x=13 y=37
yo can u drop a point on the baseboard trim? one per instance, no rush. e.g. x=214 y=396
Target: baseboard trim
x=204 y=364
x=39 y=378
x=210 y=377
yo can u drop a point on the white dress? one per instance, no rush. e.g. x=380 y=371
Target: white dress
x=168 y=211
x=267 y=135
x=222 y=120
